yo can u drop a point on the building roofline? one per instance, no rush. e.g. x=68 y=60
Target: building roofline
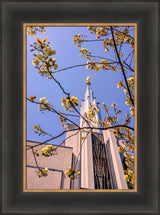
x=32 y=141
x=36 y=167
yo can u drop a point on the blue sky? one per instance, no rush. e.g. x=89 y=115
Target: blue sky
x=104 y=84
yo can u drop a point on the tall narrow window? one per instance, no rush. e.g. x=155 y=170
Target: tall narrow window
x=100 y=165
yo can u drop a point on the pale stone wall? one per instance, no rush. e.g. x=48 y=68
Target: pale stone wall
x=59 y=163
x=83 y=153
x=87 y=172
x=52 y=181
x=73 y=140
x=114 y=161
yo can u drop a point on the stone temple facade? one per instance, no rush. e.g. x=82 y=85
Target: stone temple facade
x=95 y=154
x=99 y=160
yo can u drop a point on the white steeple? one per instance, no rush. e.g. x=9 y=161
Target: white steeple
x=86 y=104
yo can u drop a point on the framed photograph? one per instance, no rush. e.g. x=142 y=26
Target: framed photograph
x=80 y=124
x=91 y=149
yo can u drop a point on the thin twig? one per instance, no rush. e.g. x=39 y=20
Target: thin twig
x=132 y=52
x=67 y=138
x=129 y=66
x=35 y=159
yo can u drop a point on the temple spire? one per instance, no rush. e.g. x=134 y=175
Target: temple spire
x=89 y=101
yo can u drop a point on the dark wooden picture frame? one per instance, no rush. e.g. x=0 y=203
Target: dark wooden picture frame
x=14 y=14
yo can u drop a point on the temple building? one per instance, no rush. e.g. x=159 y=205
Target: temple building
x=95 y=154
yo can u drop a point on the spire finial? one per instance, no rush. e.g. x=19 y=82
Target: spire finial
x=88 y=79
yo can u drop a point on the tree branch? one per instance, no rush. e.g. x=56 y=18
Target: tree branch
x=129 y=66
x=123 y=33
x=123 y=72
x=78 y=129
x=35 y=159
x=59 y=114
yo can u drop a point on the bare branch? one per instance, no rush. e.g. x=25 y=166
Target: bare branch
x=78 y=129
x=122 y=32
x=59 y=114
x=70 y=67
x=129 y=66
x=35 y=159
x=67 y=138
x=123 y=72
